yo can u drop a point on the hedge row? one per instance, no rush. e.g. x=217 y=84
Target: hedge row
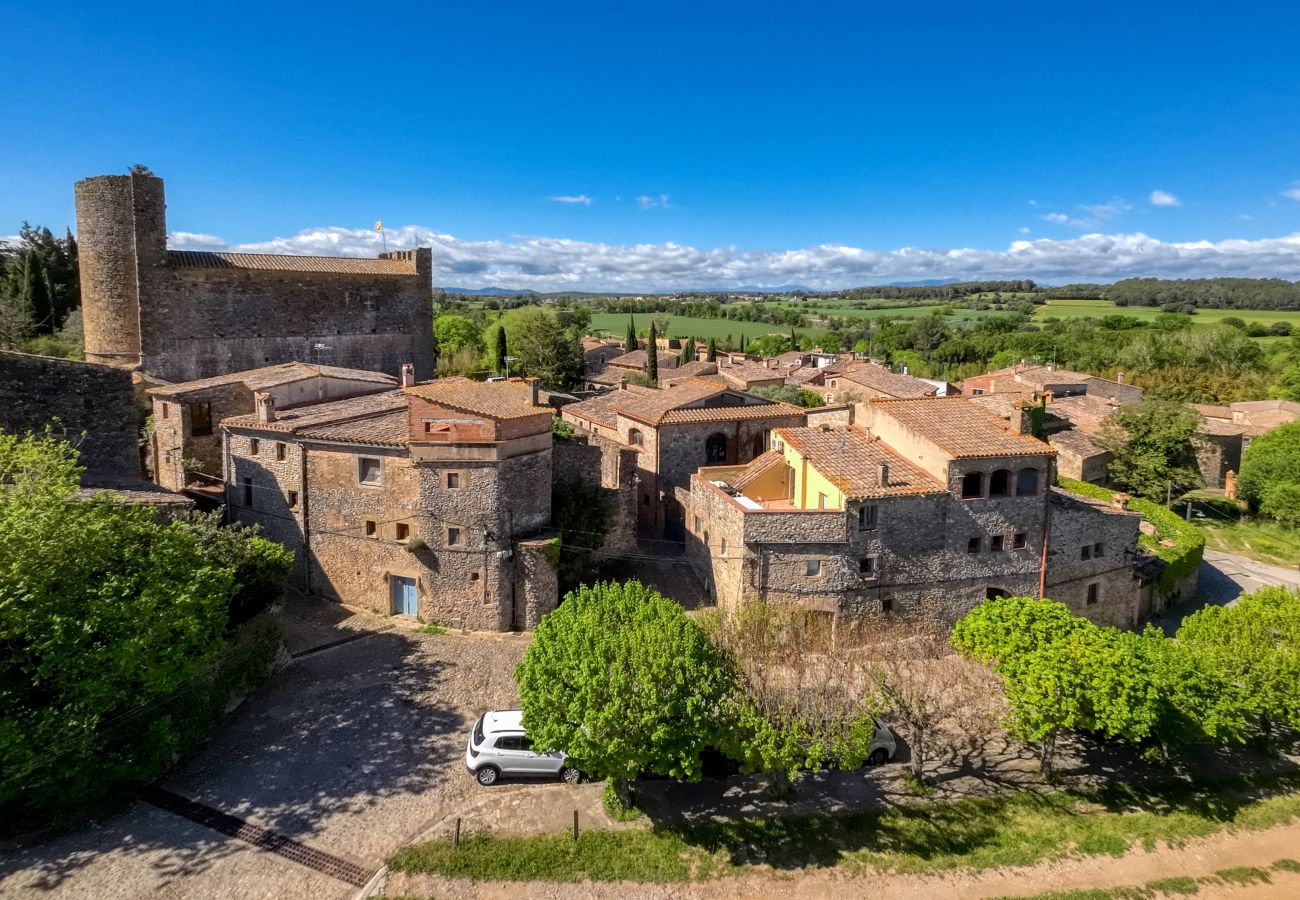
x=1183 y=558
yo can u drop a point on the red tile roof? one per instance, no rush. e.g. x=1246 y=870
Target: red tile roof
x=495 y=399
x=264 y=377
x=851 y=461
x=961 y=428
x=335 y=265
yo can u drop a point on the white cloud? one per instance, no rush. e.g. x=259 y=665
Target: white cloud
x=1163 y=198
x=575 y=198
x=1024 y=230
x=1293 y=192
x=1090 y=215
x=550 y=264
x=645 y=201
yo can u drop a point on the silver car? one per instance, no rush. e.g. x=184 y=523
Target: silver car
x=498 y=746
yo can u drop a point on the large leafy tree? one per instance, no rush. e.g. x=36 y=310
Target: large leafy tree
x=105 y=616
x=1152 y=444
x=542 y=347
x=1253 y=647
x=455 y=333
x=623 y=682
x=1270 y=473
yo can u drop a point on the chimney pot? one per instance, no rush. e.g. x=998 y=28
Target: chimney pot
x=265 y=405
x=882 y=474
x=408 y=374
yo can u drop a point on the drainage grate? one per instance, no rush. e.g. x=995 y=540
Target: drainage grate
x=264 y=838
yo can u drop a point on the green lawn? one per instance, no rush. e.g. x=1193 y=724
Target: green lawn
x=1226 y=530
x=684 y=326
x=1073 y=309
x=987 y=832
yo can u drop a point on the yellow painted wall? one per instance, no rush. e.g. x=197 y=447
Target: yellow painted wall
x=808 y=483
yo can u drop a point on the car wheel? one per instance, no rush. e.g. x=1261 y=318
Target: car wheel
x=878 y=757
x=570 y=775
x=487 y=775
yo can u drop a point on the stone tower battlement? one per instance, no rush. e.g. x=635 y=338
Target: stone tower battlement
x=188 y=314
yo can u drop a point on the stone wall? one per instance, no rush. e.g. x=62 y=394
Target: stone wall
x=1090 y=562
x=1216 y=454
x=74 y=397
x=604 y=464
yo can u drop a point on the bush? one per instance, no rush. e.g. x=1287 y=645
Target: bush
x=1272 y=460
x=1281 y=503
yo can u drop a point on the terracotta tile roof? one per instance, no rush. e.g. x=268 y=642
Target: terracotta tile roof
x=1085 y=412
x=1003 y=403
x=850 y=460
x=686 y=371
x=757 y=466
x=636 y=359
x=495 y=399
x=961 y=428
x=601 y=409
x=1076 y=443
x=878 y=378
x=390 y=429
x=743 y=374
x=1214 y=412
x=336 y=265
x=678 y=404
x=731 y=413
x=332 y=412
x=260 y=379
x=1218 y=428
x=805 y=375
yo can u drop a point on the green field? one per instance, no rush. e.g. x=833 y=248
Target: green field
x=1074 y=309
x=615 y=324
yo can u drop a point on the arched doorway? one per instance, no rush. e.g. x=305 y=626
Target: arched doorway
x=715 y=449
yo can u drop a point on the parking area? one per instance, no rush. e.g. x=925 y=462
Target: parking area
x=347 y=754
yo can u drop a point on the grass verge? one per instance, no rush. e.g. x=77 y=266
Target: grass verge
x=1226 y=529
x=987 y=832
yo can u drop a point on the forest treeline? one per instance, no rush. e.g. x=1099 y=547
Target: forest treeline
x=1202 y=293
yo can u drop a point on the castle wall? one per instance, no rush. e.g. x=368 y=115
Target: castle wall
x=73 y=397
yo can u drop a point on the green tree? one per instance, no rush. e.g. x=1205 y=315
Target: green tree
x=1270 y=468
x=1152 y=446
x=623 y=682
x=713 y=350
x=688 y=351
x=544 y=349
x=105 y=614
x=1287 y=386
x=1254 y=648
x=456 y=333
x=631 y=335
x=652 y=356
x=502 y=351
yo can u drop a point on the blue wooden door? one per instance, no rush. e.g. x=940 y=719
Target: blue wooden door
x=405 y=601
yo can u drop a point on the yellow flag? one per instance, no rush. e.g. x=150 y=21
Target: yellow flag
x=379 y=226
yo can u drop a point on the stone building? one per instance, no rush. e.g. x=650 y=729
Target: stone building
x=673 y=432
x=426 y=500
x=925 y=507
x=870 y=381
x=187 y=314
x=186 y=440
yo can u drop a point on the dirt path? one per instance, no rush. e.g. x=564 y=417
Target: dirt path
x=1198 y=858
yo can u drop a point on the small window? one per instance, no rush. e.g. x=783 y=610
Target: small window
x=996 y=543
x=248 y=492
x=453 y=480
x=813 y=568
x=706 y=539
x=1027 y=482
x=254 y=446
x=371 y=528
x=1000 y=483
x=973 y=545
x=293 y=499
x=402 y=532
x=698 y=524
x=977 y=392
x=166 y=410
x=1096 y=550
x=280 y=450
x=1094 y=594
x=200 y=419
x=1019 y=541
x=868 y=566
x=886 y=604
x=369 y=470
x=723 y=547
x=634 y=437
x=867 y=518
x=972 y=485
x=453 y=537
x=821 y=500
x=1086 y=552
x=473 y=576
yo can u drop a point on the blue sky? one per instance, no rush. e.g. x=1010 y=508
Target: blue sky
x=700 y=145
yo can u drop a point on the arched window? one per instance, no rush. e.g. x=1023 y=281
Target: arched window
x=634 y=437
x=715 y=449
x=1027 y=481
x=972 y=485
x=1000 y=483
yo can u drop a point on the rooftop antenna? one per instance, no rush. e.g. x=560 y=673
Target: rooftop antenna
x=379 y=226
x=509 y=360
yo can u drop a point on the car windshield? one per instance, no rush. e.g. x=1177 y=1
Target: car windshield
x=478 y=731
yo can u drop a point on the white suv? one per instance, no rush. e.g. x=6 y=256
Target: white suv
x=498 y=746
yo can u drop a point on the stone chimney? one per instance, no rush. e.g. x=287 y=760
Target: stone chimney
x=265 y=405
x=532 y=392
x=882 y=474
x=1119 y=501
x=1020 y=423
x=408 y=374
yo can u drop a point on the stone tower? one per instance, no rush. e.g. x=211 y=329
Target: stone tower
x=121 y=237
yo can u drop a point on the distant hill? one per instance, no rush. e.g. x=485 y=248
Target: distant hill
x=487 y=291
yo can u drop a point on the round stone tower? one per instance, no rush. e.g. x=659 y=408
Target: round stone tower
x=121 y=237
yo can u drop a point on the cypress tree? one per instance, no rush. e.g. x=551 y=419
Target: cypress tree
x=631 y=335
x=688 y=351
x=713 y=350
x=652 y=357
x=794 y=341
x=502 y=352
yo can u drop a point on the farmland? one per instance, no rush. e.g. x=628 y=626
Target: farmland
x=1075 y=309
